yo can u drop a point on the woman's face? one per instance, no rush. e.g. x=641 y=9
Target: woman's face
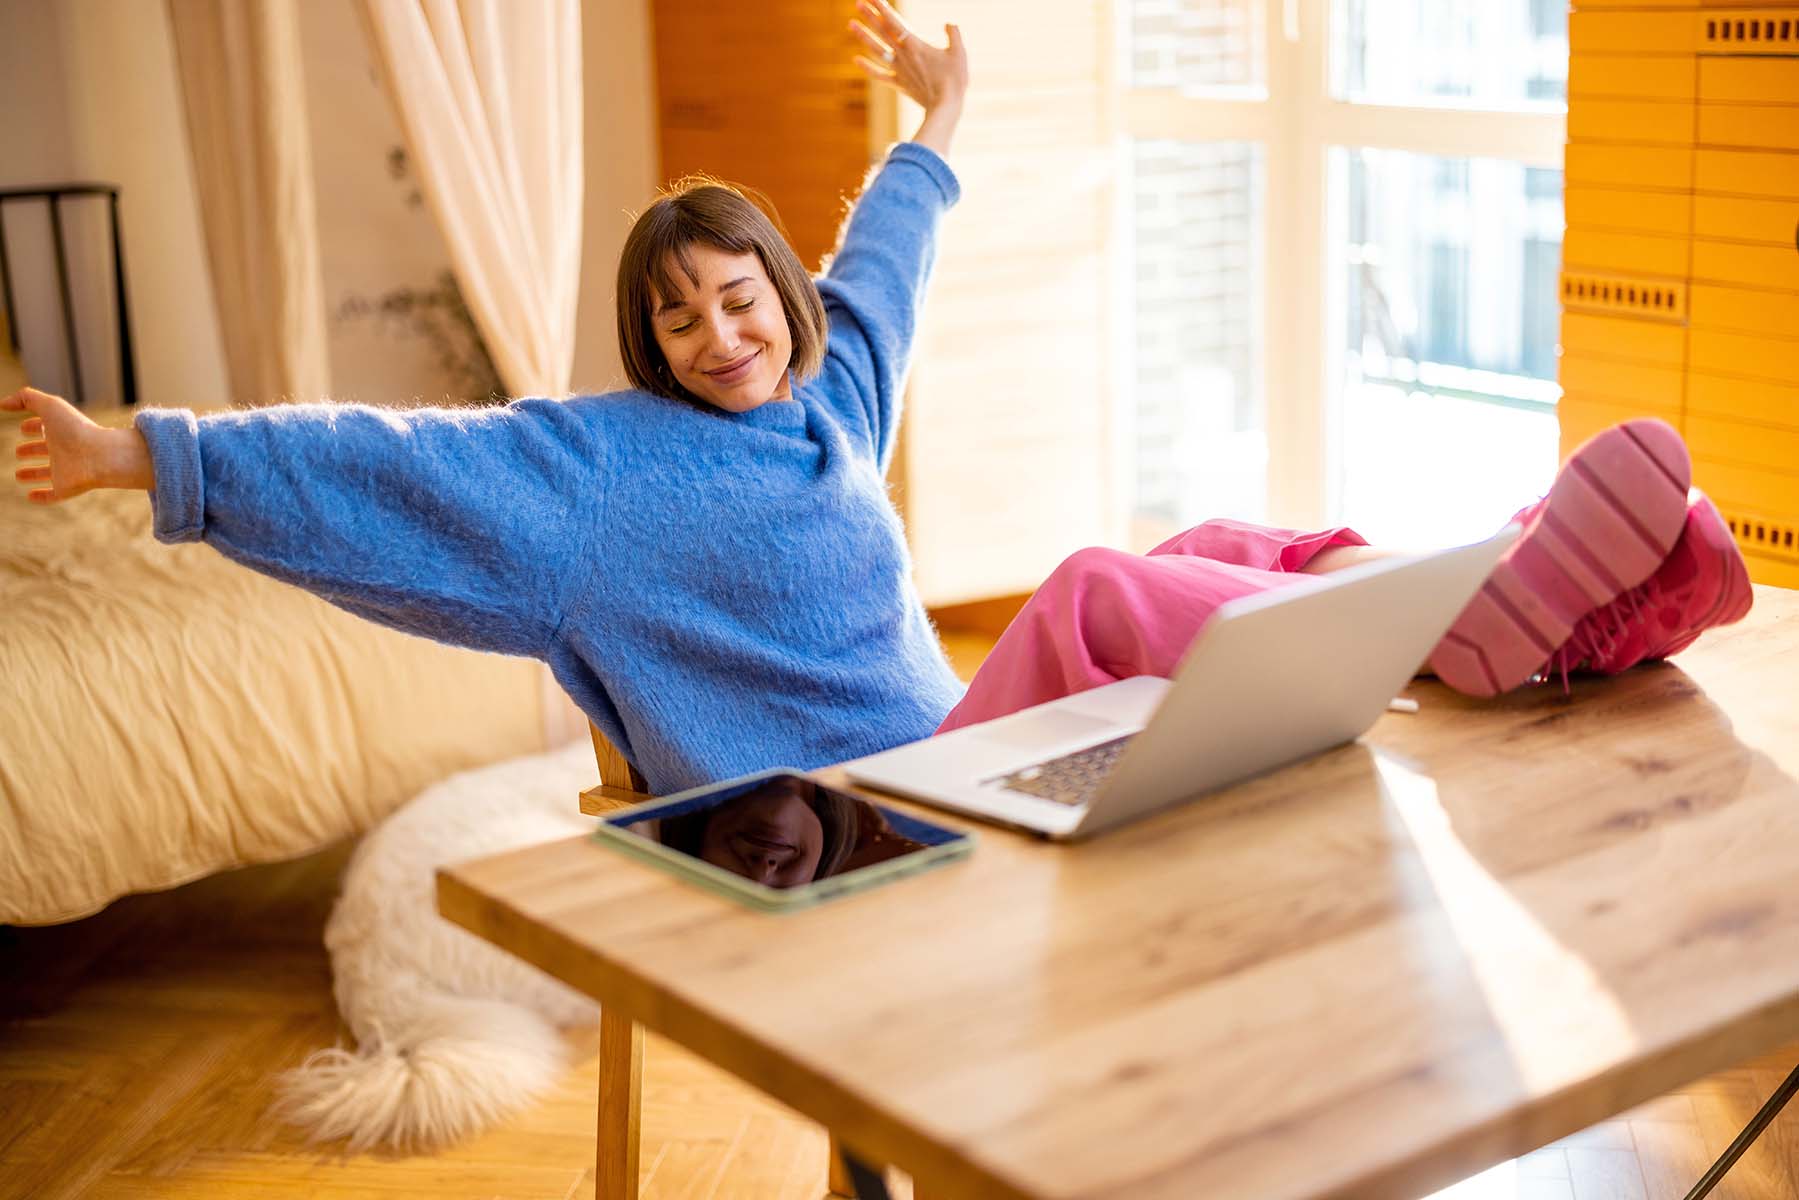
x=726 y=336
x=771 y=835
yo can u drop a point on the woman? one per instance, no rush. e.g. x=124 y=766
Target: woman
x=769 y=616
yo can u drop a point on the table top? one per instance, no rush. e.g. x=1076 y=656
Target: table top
x=1480 y=928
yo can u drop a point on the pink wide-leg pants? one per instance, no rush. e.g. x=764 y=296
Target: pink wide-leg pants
x=1106 y=615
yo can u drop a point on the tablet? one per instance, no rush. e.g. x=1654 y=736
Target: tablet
x=778 y=841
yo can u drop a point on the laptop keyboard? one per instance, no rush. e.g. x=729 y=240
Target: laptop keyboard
x=1070 y=779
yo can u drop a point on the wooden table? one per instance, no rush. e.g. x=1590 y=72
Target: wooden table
x=1480 y=929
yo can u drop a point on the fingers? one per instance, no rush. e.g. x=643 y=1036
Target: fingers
x=881 y=50
x=32 y=426
x=879 y=72
x=32 y=450
x=880 y=14
x=28 y=398
x=32 y=474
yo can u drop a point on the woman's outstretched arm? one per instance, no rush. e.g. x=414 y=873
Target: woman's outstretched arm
x=463 y=525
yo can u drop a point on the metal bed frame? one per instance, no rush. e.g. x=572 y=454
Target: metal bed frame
x=53 y=196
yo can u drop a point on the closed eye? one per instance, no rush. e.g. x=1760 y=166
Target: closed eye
x=740 y=306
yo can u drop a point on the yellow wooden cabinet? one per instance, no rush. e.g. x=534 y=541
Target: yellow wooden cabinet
x=1681 y=261
x=1680 y=279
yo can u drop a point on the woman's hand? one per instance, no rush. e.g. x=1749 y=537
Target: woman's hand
x=83 y=455
x=935 y=78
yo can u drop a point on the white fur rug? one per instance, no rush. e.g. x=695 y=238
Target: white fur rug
x=452 y=1034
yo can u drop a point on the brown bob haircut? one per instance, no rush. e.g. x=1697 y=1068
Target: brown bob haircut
x=701 y=209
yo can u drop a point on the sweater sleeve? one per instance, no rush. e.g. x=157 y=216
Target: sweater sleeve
x=874 y=285
x=466 y=526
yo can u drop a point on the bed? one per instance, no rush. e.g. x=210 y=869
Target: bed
x=165 y=713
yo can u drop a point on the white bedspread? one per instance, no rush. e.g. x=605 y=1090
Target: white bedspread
x=165 y=713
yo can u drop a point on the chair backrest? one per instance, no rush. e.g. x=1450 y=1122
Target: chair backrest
x=616 y=772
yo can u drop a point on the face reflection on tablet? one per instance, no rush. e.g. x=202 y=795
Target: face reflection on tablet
x=771 y=836
x=782 y=834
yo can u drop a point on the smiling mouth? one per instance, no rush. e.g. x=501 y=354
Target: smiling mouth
x=734 y=368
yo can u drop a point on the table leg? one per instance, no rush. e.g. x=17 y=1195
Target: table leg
x=854 y=1179
x=838 y=1182
x=1753 y=1130
x=621 y=1091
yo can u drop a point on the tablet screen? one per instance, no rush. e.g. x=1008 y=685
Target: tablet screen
x=784 y=831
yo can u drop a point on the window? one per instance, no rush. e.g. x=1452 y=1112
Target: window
x=1344 y=243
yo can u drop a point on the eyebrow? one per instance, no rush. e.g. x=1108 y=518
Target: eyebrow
x=669 y=306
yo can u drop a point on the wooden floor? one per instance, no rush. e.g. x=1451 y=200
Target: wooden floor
x=138 y=1050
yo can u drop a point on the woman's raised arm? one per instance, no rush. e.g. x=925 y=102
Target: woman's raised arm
x=467 y=526
x=936 y=78
x=877 y=276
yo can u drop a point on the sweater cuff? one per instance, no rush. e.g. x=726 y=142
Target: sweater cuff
x=933 y=165
x=178 y=501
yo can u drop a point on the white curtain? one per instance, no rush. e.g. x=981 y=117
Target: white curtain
x=244 y=96
x=488 y=94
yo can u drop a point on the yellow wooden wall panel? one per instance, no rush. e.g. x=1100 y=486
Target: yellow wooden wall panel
x=1751 y=266
x=1631 y=32
x=1752 y=126
x=1622 y=382
x=1659 y=168
x=1741 y=442
x=1736 y=30
x=1740 y=485
x=1627 y=253
x=1773 y=80
x=1743 y=219
x=1622 y=338
x=1749 y=355
x=1721 y=439
x=1746 y=173
x=1639 y=297
x=1729 y=398
x=1667 y=213
x=1745 y=399
x=1582 y=416
x=1735 y=379
x=1745 y=310
x=1643 y=76
x=1655 y=122
x=1773 y=572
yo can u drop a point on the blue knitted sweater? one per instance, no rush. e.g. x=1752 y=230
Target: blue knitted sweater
x=719 y=593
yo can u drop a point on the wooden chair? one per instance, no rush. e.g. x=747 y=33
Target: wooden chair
x=621 y=1039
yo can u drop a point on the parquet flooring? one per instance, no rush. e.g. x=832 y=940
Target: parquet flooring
x=138 y=1050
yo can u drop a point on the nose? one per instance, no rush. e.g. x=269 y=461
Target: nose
x=725 y=345
x=764 y=867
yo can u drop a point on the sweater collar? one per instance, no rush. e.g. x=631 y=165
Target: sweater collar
x=787 y=416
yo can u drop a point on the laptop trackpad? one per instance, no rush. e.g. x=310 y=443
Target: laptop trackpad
x=1049 y=727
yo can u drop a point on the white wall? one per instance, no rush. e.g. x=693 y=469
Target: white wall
x=376 y=236
x=375 y=240
x=91 y=96
x=623 y=172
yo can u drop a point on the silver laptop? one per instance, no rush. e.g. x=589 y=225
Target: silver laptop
x=1271 y=679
